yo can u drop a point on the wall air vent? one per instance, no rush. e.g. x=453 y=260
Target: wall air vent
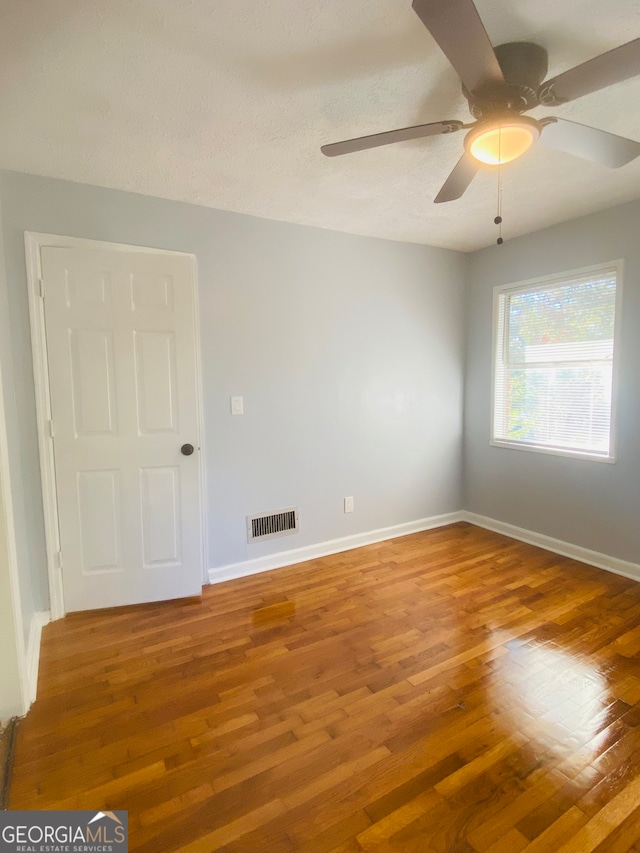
x=268 y=525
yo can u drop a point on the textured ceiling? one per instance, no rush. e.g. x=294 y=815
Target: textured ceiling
x=225 y=103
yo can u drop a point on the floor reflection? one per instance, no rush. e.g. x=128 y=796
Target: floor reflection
x=552 y=693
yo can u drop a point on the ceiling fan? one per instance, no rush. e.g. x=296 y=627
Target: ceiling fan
x=500 y=85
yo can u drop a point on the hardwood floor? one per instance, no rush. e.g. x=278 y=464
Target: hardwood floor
x=450 y=691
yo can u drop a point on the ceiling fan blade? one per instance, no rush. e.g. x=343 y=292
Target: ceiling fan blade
x=616 y=65
x=593 y=144
x=463 y=173
x=460 y=34
x=402 y=135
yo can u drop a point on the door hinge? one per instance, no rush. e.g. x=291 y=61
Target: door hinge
x=52 y=431
x=59 y=560
x=41 y=287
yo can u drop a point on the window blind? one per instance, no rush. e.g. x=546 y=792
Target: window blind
x=554 y=364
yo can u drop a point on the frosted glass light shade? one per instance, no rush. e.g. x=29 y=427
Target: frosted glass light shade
x=501 y=141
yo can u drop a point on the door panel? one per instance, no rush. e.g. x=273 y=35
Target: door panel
x=121 y=344
x=100 y=513
x=149 y=290
x=92 y=372
x=160 y=501
x=92 y=288
x=156 y=377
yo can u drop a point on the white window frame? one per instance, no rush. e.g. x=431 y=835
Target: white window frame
x=541 y=283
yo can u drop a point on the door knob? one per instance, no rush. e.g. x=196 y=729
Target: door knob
x=186 y=449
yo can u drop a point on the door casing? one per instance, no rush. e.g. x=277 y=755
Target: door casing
x=34 y=242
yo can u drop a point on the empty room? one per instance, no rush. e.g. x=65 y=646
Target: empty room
x=320 y=426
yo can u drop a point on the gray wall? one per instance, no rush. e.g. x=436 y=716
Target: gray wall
x=592 y=504
x=11 y=699
x=348 y=352
x=11 y=643
x=28 y=521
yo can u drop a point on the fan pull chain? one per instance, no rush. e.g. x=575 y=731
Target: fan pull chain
x=498 y=219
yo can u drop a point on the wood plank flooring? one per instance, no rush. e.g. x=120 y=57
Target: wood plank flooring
x=450 y=691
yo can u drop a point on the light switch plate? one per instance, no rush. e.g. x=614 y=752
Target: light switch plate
x=237 y=406
x=348 y=504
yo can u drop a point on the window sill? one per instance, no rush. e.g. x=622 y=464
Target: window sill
x=553 y=451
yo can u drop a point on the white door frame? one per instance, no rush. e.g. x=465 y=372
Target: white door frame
x=34 y=242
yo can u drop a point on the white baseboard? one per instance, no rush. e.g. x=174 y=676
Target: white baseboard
x=38 y=620
x=347 y=543
x=332 y=546
x=557 y=546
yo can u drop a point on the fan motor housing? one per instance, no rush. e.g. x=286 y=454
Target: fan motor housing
x=524 y=66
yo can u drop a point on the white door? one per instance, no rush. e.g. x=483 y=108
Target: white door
x=121 y=347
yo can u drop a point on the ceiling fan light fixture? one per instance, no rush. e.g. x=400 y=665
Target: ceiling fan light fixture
x=499 y=141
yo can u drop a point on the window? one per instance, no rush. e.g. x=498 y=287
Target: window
x=554 y=364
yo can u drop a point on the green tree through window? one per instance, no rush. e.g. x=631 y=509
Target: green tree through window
x=554 y=364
